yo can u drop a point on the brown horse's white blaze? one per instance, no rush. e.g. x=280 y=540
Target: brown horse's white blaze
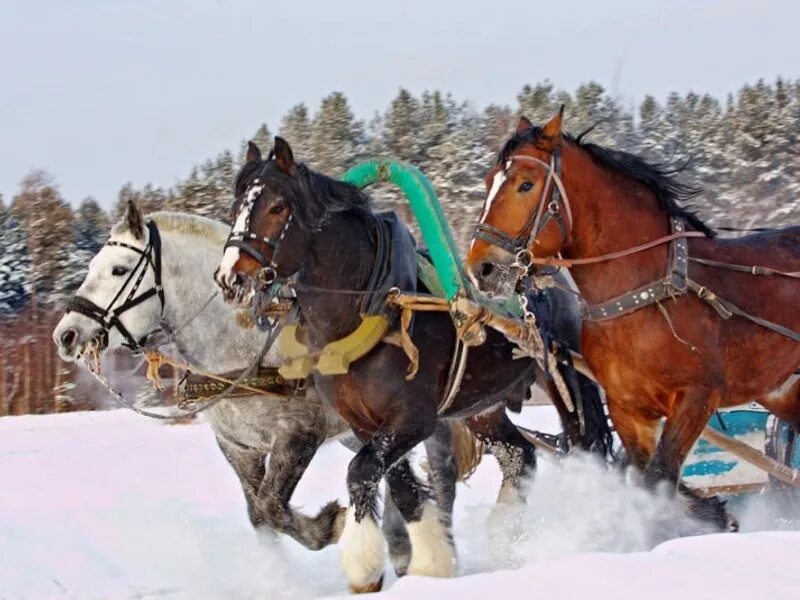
x=234 y=262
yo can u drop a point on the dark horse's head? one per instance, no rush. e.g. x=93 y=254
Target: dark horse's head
x=278 y=203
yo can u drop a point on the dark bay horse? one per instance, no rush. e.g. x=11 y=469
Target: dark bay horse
x=293 y=222
x=677 y=322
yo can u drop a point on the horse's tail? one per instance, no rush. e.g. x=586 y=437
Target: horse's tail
x=593 y=431
x=597 y=436
x=467 y=449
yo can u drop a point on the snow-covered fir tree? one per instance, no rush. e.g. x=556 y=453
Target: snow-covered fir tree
x=15 y=284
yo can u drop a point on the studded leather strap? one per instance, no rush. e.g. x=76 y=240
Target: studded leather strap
x=674 y=283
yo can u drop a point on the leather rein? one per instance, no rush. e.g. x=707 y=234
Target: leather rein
x=110 y=317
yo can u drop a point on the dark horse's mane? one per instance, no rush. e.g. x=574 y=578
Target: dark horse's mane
x=312 y=196
x=658 y=178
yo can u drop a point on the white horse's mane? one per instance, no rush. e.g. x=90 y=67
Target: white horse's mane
x=188 y=224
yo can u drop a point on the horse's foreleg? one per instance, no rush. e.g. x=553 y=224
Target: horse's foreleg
x=432 y=549
x=515 y=455
x=248 y=465
x=288 y=460
x=443 y=470
x=442 y=477
x=636 y=429
x=683 y=426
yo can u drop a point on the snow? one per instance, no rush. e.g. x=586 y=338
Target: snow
x=113 y=505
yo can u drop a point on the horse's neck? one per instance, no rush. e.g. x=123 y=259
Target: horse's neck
x=611 y=214
x=340 y=257
x=204 y=332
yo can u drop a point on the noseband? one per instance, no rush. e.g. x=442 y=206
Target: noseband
x=519 y=245
x=243 y=239
x=109 y=317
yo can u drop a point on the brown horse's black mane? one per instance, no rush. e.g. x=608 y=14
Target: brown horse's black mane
x=658 y=178
x=312 y=196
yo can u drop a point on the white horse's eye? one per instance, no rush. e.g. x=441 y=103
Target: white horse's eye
x=119 y=271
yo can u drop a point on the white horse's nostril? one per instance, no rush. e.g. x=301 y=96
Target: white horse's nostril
x=68 y=339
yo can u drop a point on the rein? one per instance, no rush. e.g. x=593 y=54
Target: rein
x=109 y=317
x=190 y=408
x=572 y=262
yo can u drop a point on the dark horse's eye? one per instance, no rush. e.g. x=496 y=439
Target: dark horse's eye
x=119 y=271
x=525 y=186
x=278 y=208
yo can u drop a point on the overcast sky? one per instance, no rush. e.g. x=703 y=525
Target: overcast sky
x=99 y=93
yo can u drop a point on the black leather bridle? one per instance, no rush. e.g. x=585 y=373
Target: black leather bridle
x=109 y=317
x=519 y=245
x=243 y=239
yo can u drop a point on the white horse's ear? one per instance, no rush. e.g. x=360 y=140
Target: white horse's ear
x=133 y=220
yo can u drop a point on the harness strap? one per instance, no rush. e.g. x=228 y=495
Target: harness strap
x=726 y=310
x=752 y=270
x=572 y=262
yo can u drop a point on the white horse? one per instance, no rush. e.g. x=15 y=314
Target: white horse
x=157 y=276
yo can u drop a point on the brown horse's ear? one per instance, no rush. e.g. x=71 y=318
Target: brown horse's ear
x=524 y=124
x=133 y=220
x=551 y=132
x=283 y=155
x=253 y=153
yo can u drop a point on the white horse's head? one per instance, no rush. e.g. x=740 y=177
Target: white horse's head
x=119 y=275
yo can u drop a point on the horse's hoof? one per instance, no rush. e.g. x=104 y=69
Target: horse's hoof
x=368 y=588
x=733 y=524
x=338 y=524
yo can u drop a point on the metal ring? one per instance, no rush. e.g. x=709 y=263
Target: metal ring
x=528 y=257
x=267 y=275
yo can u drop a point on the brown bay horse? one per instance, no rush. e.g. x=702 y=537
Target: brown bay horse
x=677 y=323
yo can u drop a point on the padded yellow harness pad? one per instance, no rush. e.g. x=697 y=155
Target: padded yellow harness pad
x=296 y=356
x=336 y=356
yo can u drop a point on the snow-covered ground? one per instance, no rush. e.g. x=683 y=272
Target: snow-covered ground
x=113 y=505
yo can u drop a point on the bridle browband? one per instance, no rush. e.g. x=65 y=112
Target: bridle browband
x=109 y=317
x=243 y=239
x=519 y=245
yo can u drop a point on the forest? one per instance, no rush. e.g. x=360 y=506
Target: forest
x=741 y=153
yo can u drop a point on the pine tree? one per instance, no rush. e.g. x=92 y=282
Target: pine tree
x=15 y=285
x=261 y=138
x=401 y=127
x=296 y=129
x=47 y=221
x=91 y=226
x=336 y=136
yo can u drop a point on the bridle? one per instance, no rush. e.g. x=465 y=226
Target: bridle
x=243 y=239
x=558 y=210
x=109 y=317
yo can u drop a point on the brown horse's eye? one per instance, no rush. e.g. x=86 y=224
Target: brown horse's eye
x=525 y=186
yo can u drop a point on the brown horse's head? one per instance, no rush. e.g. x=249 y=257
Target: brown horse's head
x=523 y=188
x=262 y=217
